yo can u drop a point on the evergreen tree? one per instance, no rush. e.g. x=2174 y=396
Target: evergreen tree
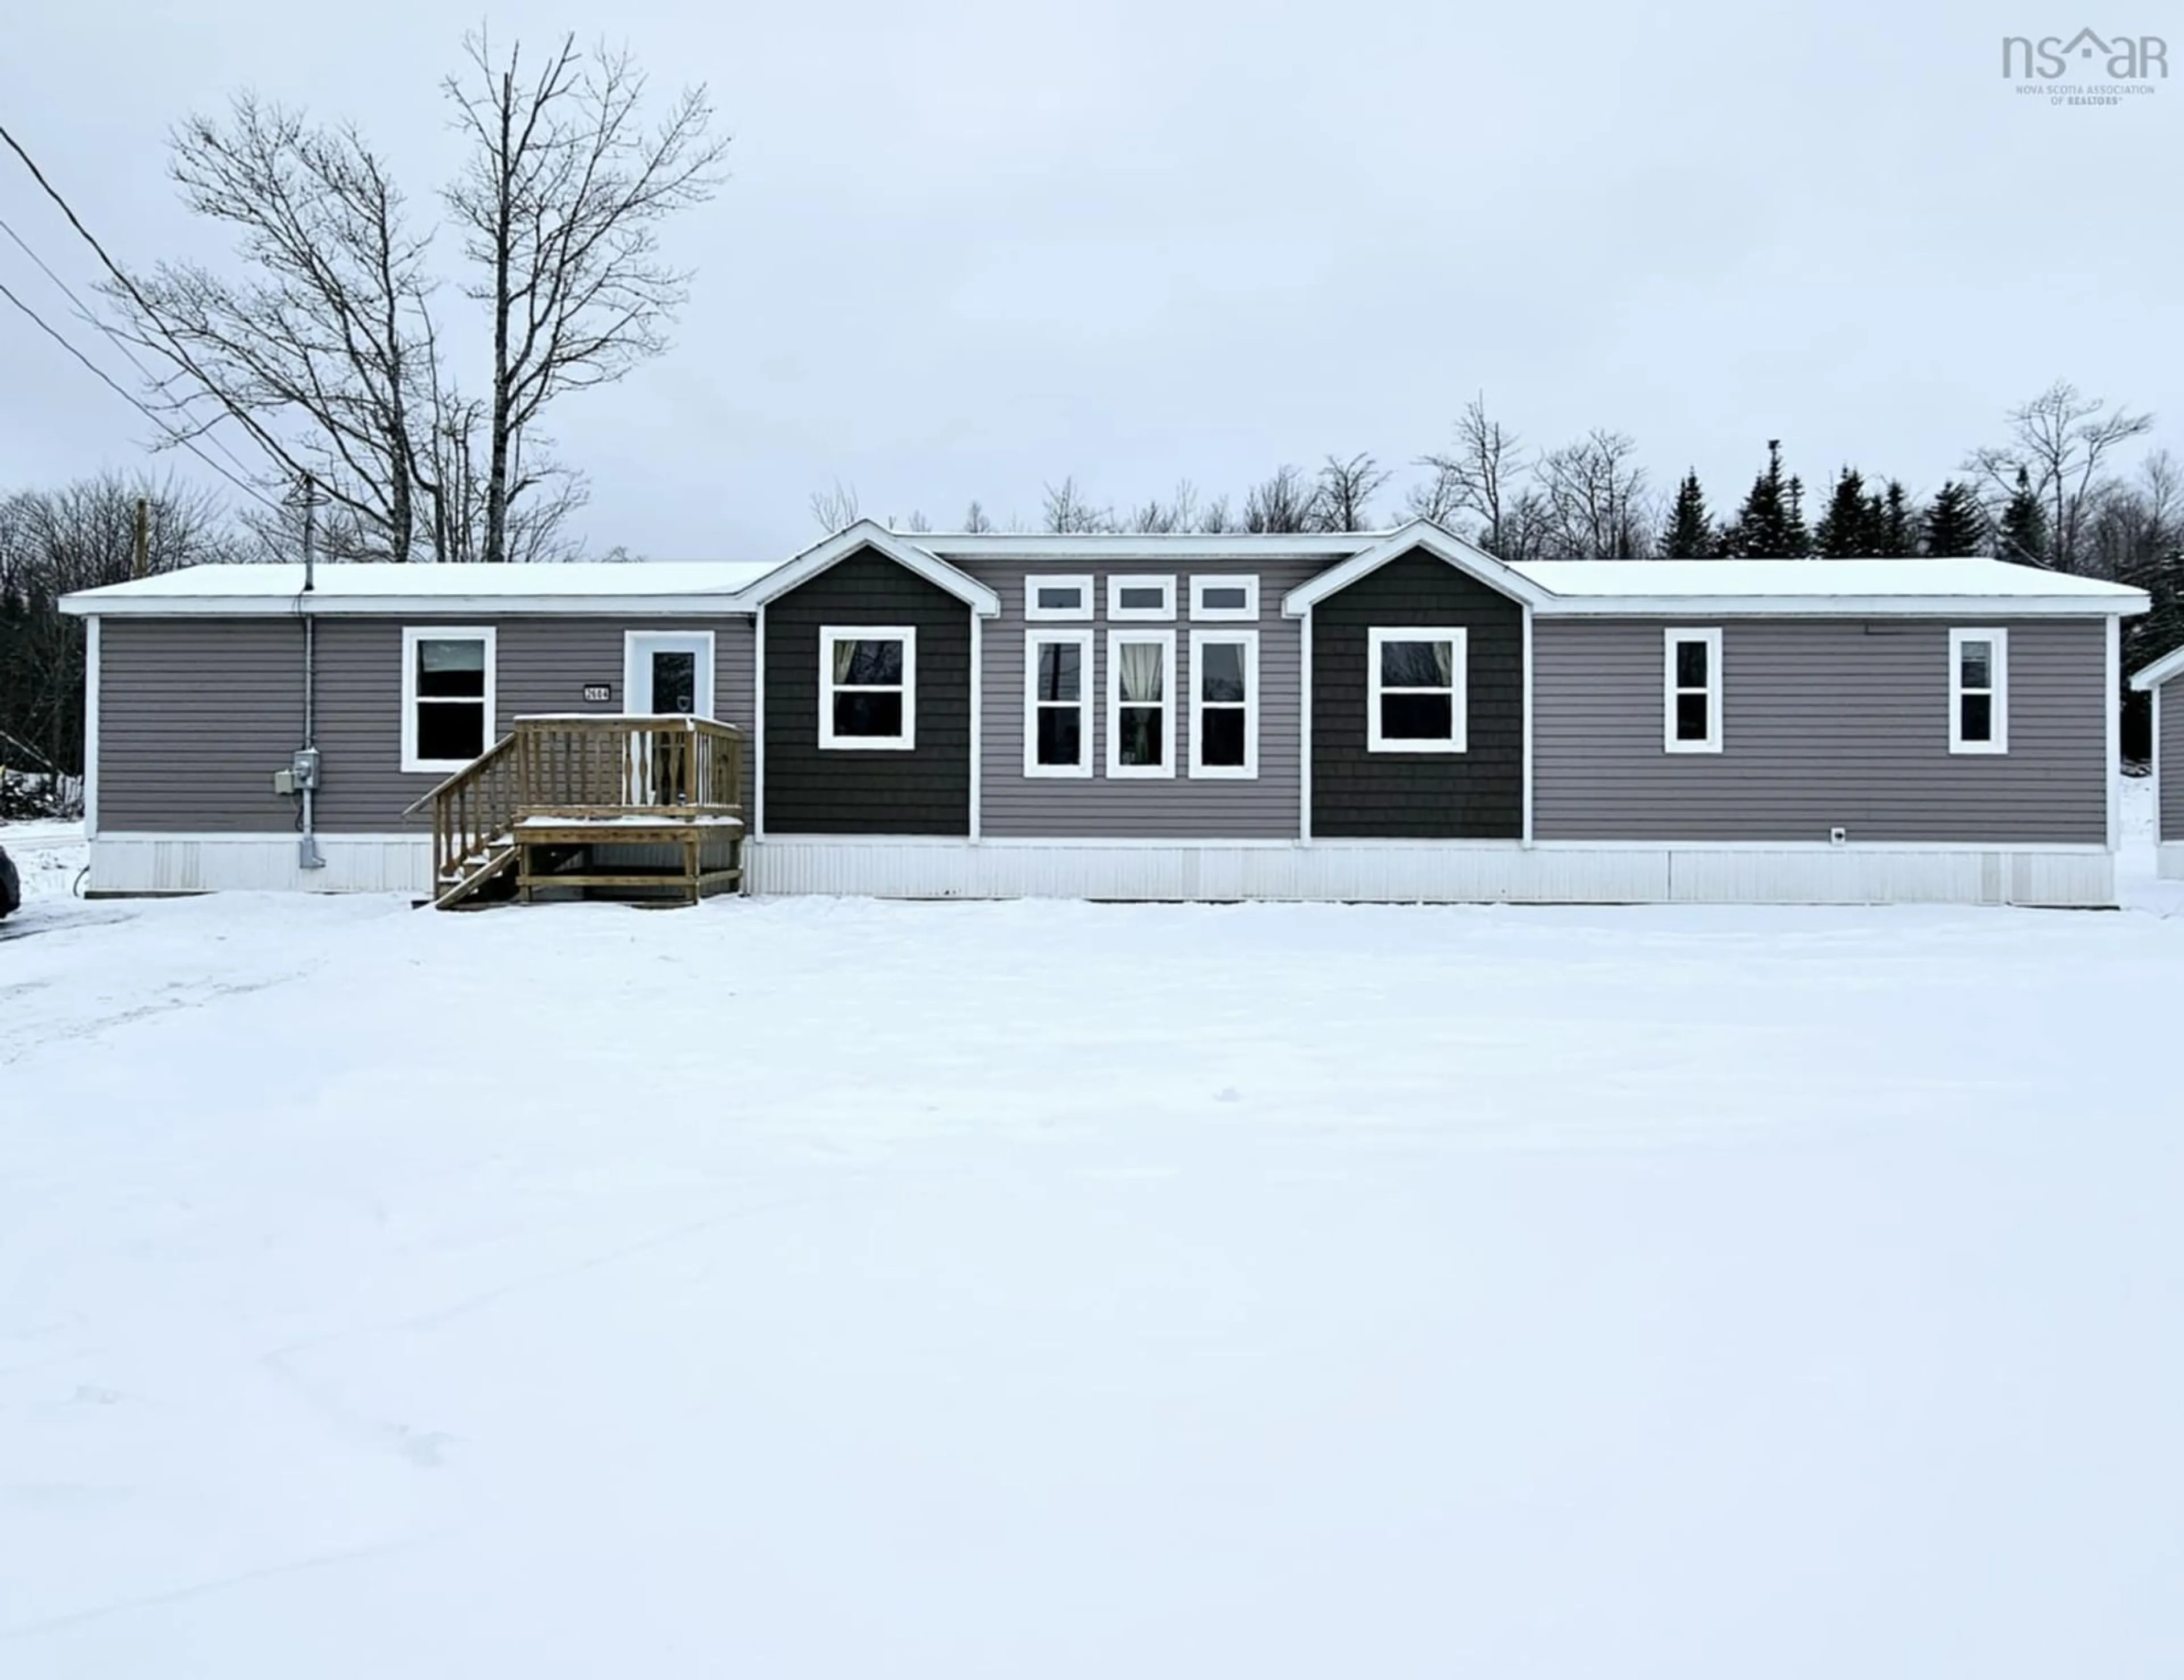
x=1899 y=521
x=1954 y=525
x=1770 y=525
x=1689 y=534
x=1854 y=523
x=2022 y=534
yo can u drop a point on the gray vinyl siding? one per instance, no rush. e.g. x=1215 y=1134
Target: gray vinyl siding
x=1476 y=794
x=196 y=714
x=809 y=790
x=1015 y=806
x=2169 y=759
x=1826 y=723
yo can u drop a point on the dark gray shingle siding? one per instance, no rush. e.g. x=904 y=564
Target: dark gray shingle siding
x=1478 y=794
x=1826 y=723
x=925 y=791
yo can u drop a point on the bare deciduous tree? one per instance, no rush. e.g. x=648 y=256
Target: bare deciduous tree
x=560 y=203
x=2061 y=439
x=1346 y=493
x=834 y=507
x=1478 y=477
x=1595 y=496
x=326 y=341
x=1284 y=502
x=1065 y=508
x=975 y=520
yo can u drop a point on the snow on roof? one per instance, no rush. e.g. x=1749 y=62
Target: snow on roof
x=2161 y=671
x=1876 y=579
x=371 y=586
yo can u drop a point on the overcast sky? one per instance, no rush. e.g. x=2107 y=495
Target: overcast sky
x=969 y=248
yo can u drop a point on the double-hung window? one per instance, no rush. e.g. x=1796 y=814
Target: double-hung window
x=447 y=697
x=868 y=688
x=1057 y=597
x=1224 y=704
x=1979 y=690
x=1415 y=690
x=1691 y=691
x=1058 y=702
x=1140 y=727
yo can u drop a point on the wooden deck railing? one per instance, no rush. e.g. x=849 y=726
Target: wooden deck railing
x=579 y=767
x=630 y=766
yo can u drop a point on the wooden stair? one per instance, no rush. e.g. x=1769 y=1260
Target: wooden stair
x=544 y=802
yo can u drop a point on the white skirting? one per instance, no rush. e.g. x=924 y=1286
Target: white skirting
x=1450 y=871
x=1360 y=871
x=2169 y=860
x=208 y=862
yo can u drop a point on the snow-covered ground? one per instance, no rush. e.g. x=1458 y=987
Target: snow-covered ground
x=817 y=1288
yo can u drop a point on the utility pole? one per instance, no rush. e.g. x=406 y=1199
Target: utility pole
x=139 y=560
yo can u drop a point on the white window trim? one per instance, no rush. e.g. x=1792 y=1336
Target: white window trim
x=636 y=644
x=1249 y=770
x=1034 y=581
x=1247 y=614
x=1164 y=770
x=2000 y=711
x=829 y=634
x=411 y=636
x=1459 y=676
x=1671 y=689
x=1119 y=614
x=1082 y=641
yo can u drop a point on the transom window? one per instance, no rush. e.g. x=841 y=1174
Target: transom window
x=1979 y=690
x=1057 y=597
x=1691 y=719
x=1224 y=600
x=1224 y=703
x=1416 y=687
x=1139 y=732
x=1058 y=703
x=447 y=681
x=868 y=688
x=1143 y=599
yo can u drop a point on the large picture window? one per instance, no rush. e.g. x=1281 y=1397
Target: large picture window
x=867 y=687
x=1691 y=691
x=1140 y=729
x=1415 y=699
x=447 y=697
x=1979 y=690
x=1058 y=703
x=1224 y=704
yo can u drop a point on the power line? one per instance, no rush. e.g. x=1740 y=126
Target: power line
x=264 y=439
x=130 y=398
x=86 y=312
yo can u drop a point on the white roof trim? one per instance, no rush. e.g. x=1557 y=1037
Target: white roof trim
x=1442 y=545
x=94 y=604
x=870 y=534
x=1967 y=608
x=2153 y=675
x=1245 y=546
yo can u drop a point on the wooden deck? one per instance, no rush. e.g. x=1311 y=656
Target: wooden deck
x=644 y=810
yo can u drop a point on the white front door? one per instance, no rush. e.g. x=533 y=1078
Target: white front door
x=667 y=672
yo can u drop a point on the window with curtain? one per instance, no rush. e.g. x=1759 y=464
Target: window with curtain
x=1137 y=728
x=1224 y=703
x=1416 y=684
x=447 y=697
x=1057 y=704
x=868 y=688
